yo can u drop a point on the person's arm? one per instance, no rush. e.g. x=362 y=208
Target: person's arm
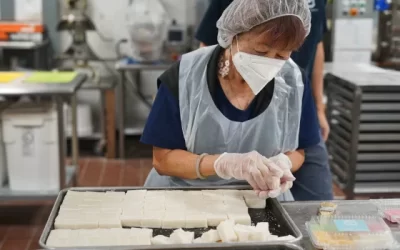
x=182 y=164
x=318 y=89
x=297 y=159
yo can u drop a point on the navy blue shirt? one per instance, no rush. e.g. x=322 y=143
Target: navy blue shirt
x=304 y=57
x=164 y=130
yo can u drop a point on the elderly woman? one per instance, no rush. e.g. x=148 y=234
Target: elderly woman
x=231 y=114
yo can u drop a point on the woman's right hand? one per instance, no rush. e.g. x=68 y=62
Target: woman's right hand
x=261 y=173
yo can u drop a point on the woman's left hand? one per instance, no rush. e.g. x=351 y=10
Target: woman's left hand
x=285 y=164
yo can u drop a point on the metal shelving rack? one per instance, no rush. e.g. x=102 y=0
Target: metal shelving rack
x=364 y=144
x=389 y=36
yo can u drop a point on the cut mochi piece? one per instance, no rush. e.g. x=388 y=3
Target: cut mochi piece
x=66 y=223
x=136 y=193
x=161 y=240
x=138 y=236
x=226 y=231
x=110 y=222
x=173 y=220
x=199 y=241
x=286 y=238
x=240 y=218
x=264 y=226
x=58 y=238
x=121 y=236
x=155 y=194
x=151 y=220
x=196 y=221
x=243 y=232
x=131 y=220
x=232 y=193
x=261 y=232
x=214 y=219
x=256 y=203
x=181 y=237
x=87 y=223
x=210 y=236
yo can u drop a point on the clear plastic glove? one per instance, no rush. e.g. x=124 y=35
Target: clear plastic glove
x=285 y=164
x=261 y=173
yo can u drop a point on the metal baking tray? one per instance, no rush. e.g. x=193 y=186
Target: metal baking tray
x=279 y=220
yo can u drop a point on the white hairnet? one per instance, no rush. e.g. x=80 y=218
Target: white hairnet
x=243 y=15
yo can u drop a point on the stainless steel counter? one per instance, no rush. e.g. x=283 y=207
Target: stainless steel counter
x=59 y=93
x=301 y=212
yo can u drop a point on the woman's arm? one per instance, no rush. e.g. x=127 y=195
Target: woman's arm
x=297 y=159
x=182 y=164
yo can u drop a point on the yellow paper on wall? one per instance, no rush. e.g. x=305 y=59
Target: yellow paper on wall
x=51 y=77
x=8 y=77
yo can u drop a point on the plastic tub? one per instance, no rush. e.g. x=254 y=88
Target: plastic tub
x=32 y=147
x=352 y=232
x=389 y=210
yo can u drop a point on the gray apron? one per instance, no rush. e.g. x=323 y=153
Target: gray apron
x=207 y=130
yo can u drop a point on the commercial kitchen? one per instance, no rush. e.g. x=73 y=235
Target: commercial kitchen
x=200 y=124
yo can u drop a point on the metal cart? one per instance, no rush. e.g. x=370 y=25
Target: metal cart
x=135 y=70
x=59 y=93
x=364 y=144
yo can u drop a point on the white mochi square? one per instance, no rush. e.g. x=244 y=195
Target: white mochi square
x=110 y=222
x=181 y=237
x=161 y=240
x=173 y=220
x=240 y=218
x=213 y=219
x=226 y=231
x=210 y=236
x=196 y=221
x=152 y=220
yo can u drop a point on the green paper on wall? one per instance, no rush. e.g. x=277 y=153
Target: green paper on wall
x=51 y=77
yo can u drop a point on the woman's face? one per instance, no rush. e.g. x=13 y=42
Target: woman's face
x=256 y=44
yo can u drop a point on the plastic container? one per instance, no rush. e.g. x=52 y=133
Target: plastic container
x=147 y=22
x=85 y=122
x=389 y=210
x=32 y=147
x=353 y=232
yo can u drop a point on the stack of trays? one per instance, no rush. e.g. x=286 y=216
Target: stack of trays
x=364 y=144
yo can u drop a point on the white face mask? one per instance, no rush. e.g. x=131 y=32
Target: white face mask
x=257 y=71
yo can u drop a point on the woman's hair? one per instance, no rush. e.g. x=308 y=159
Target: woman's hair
x=285 y=32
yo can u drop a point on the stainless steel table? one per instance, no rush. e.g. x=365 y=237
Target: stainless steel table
x=59 y=92
x=123 y=67
x=301 y=212
x=107 y=137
